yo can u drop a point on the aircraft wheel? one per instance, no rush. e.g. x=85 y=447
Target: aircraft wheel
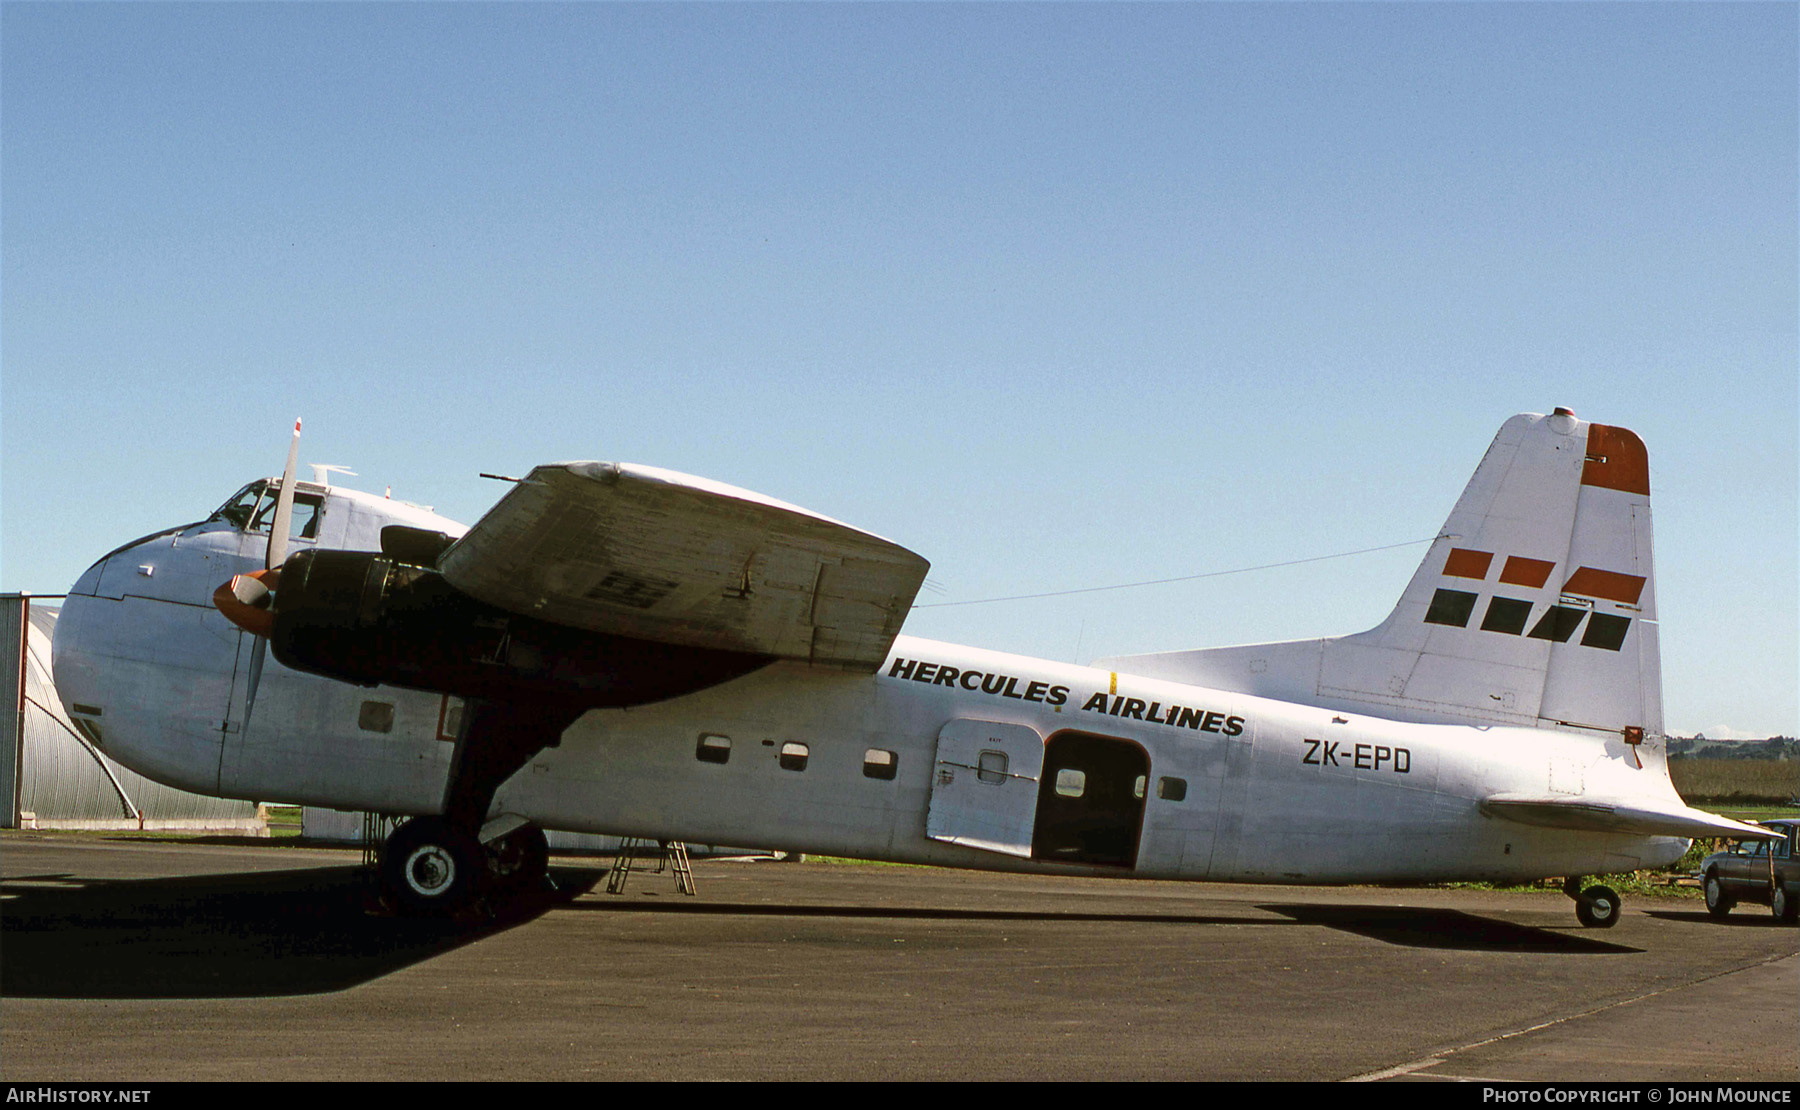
x=429 y=867
x=1598 y=907
x=1782 y=905
x=1718 y=903
x=520 y=860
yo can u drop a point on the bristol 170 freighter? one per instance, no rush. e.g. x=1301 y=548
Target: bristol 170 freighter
x=626 y=650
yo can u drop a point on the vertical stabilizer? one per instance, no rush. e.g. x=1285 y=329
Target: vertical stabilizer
x=1536 y=605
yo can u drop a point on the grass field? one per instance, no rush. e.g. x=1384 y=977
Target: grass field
x=1736 y=781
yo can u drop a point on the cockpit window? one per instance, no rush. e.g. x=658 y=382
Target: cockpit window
x=253 y=510
x=238 y=509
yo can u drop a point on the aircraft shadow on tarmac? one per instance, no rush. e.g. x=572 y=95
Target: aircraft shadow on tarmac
x=1417 y=928
x=222 y=936
x=310 y=931
x=1449 y=929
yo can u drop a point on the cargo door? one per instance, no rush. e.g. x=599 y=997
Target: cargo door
x=984 y=789
x=1091 y=802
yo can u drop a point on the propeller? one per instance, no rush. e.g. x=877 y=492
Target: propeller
x=248 y=600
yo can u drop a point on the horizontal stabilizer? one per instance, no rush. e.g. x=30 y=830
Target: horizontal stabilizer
x=1637 y=816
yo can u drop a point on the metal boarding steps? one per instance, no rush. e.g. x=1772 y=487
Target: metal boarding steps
x=667 y=855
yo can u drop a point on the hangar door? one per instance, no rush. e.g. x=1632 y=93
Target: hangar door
x=984 y=786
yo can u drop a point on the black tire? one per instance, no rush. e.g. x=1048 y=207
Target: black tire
x=429 y=868
x=1598 y=907
x=520 y=860
x=1782 y=904
x=1718 y=903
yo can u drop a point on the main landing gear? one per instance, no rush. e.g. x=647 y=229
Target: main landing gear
x=442 y=865
x=1597 y=907
x=430 y=868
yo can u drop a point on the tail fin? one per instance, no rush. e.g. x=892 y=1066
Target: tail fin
x=1536 y=605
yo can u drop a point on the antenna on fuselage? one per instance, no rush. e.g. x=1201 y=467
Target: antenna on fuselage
x=322 y=472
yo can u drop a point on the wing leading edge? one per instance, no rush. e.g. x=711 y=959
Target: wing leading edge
x=650 y=553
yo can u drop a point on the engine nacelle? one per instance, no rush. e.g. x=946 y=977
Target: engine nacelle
x=370 y=619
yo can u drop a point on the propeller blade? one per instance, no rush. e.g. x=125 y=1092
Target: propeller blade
x=284 y=505
x=259 y=649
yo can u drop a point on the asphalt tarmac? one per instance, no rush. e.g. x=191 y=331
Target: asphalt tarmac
x=137 y=960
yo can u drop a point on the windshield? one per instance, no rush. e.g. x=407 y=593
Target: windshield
x=252 y=509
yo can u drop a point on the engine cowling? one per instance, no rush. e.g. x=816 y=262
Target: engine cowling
x=371 y=619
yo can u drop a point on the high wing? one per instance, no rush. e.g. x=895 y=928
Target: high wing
x=649 y=553
x=1638 y=816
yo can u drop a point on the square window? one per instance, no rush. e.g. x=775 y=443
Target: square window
x=990 y=767
x=1171 y=790
x=879 y=763
x=376 y=716
x=793 y=757
x=713 y=748
x=1071 y=783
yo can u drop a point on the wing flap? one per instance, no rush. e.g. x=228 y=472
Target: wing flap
x=1638 y=816
x=649 y=553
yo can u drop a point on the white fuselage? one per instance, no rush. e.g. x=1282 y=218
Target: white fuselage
x=1233 y=787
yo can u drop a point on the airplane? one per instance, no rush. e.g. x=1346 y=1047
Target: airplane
x=626 y=650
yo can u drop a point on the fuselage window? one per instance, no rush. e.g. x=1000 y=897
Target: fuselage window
x=713 y=748
x=1071 y=783
x=879 y=763
x=376 y=716
x=991 y=767
x=793 y=757
x=1171 y=789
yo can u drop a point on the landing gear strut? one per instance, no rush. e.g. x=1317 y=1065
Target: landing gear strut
x=1597 y=907
x=438 y=865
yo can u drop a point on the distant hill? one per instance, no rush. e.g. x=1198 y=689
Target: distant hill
x=1699 y=747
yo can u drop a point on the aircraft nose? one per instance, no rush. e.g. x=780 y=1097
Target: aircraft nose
x=89 y=582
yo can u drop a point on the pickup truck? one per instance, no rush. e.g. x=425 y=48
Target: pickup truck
x=1763 y=871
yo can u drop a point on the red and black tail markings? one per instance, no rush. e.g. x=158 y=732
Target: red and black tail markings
x=1616 y=459
x=1611 y=585
x=1520 y=571
x=1549 y=544
x=1463 y=563
x=1510 y=615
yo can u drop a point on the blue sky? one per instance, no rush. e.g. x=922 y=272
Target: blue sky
x=1059 y=296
